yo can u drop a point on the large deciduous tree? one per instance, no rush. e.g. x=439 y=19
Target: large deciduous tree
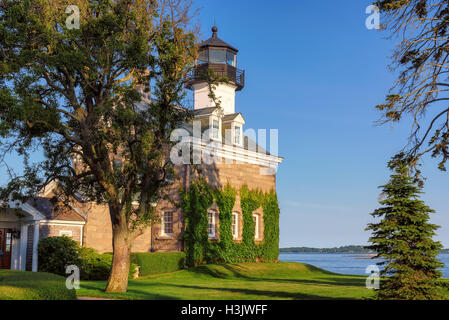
x=403 y=238
x=76 y=93
x=422 y=60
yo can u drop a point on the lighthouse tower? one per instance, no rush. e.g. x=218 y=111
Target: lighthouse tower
x=221 y=57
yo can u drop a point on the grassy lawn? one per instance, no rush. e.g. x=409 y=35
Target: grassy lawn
x=19 y=285
x=285 y=280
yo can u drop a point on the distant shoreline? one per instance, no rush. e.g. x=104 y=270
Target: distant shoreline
x=343 y=249
x=352 y=249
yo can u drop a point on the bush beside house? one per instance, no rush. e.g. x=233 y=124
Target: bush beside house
x=158 y=262
x=56 y=253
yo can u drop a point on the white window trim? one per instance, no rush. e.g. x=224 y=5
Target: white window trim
x=163 y=224
x=239 y=143
x=256 y=227
x=211 y=126
x=67 y=233
x=213 y=234
x=235 y=229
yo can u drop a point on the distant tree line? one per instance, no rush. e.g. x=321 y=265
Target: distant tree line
x=342 y=249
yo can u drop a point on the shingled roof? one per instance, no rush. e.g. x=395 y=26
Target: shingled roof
x=215 y=41
x=204 y=111
x=52 y=212
x=231 y=117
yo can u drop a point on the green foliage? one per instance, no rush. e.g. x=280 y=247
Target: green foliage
x=392 y=5
x=420 y=90
x=158 y=262
x=245 y=281
x=403 y=238
x=199 y=198
x=195 y=204
x=94 y=266
x=270 y=205
x=226 y=248
x=20 y=285
x=56 y=253
x=76 y=94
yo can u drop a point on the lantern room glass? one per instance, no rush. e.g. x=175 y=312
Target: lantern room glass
x=217 y=56
x=203 y=57
x=231 y=58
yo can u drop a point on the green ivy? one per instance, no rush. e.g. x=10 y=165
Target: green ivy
x=195 y=203
x=199 y=198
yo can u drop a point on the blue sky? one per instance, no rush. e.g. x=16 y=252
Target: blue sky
x=315 y=72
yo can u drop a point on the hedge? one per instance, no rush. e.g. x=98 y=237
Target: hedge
x=158 y=262
x=21 y=285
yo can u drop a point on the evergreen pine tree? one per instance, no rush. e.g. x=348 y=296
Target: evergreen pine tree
x=403 y=238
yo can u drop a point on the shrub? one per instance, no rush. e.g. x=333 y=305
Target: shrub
x=56 y=253
x=158 y=262
x=97 y=266
x=20 y=285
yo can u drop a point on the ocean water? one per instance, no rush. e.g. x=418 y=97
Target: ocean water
x=346 y=263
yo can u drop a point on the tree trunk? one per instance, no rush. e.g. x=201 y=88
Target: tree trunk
x=121 y=244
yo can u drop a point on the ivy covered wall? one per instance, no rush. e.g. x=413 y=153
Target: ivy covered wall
x=195 y=204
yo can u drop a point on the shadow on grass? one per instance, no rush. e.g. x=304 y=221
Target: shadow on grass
x=322 y=277
x=146 y=288
x=130 y=294
x=272 y=294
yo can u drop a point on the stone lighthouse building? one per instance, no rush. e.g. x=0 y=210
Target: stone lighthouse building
x=240 y=159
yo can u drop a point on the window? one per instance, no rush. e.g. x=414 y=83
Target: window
x=216 y=128
x=256 y=226
x=217 y=56
x=66 y=233
x=211 y=225
x=231 y=59
x=8 y=242
x=237 y=135
x=167 y=223
x=203 y=56
x=235 y=225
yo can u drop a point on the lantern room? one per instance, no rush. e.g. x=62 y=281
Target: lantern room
x=219 y=56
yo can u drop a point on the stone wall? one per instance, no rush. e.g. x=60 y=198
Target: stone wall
x=98 y=229
x=237 y=175
x=54 y=230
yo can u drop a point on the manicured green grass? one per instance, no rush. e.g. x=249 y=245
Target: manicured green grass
x=19 y=285
x=251 y=281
